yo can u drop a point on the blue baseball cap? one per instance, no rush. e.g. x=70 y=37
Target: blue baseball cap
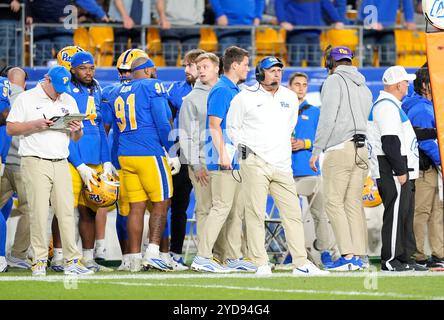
x=339 y=53
x=60 y=78
x=82 y=57
x=269 y=62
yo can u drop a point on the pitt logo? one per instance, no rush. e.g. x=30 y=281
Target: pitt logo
x=437 y=10
x=66 y=57
x=65 y=80
x=343 y=51
x=284 y=104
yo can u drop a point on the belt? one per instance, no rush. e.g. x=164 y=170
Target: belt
x=52 y=160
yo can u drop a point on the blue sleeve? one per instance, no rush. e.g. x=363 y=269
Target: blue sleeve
x=328 y=7
x=159 y=107
x=74 y=154
x=105 y=155
x=92 y=7
x=430 y=147
x=279 y=7
x=409 y=12
x=219 y=103
x=341 y=7
x=4 y=95
x=260 y=7
x=217 y=8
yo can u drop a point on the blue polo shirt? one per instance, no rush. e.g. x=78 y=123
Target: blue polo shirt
x=218 y=104
x=305 y=130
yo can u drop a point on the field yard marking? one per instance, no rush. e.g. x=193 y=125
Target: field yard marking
x=172 y=275
x=263 y=289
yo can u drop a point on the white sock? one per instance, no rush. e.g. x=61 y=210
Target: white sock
x=134 y=256
x=100 y=244
x=125 y=258
x=153 y=249
x=58 y=254
x=88 y=254
x=2 y=259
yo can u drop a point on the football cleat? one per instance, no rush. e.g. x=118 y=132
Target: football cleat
x=39 y=268
x=135 y=264
x=75 y=267
x=177 y=263
x=56 y=265
x=151 y=261
x=94 y=266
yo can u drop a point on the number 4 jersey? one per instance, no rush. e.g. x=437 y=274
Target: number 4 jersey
x=142 y=114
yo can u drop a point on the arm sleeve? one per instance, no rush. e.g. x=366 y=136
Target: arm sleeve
x=409 y=12
x=105 y=150
x=217 y=8
x=160 y=117
x=279 y=7
x=235 y=118
x=74 y=154
x=426 y=121
x=92 y=7
x=331 y=99
x=259 y=10
x=341 y=8
x=425 y=133
x=331 y=11
x=189 y=132
x=391 y=145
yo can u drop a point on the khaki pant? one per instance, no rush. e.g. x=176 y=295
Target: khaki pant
x=202 y=208
x=428 y=214
x=226 y=208
x=311 y=187
x=47 y=181
x=11 y=182
x=260 y=178
x=343 y=184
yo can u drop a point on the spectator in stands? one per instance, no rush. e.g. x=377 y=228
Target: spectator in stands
x=179 y=20
x=130 y=13
x=304 y=44
x=428 y=207
x=10 y=39
x=12 y=181
x=309 y=182
x=49 y=39
x=236 y=13
x=341 y=8
x=379 y=35
x=341 y=134
x=181 y=182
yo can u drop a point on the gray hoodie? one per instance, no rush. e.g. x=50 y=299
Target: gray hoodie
x=13 y=159
x=192 y=125
x=341 y=117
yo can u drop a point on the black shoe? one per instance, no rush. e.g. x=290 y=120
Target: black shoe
x=417 y=267
x=396 y=266
x=422 y=262
x=435 y=262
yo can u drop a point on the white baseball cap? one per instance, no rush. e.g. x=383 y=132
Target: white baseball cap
x=396 y=74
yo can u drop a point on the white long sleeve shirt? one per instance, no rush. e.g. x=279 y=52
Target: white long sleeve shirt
x=264 y=123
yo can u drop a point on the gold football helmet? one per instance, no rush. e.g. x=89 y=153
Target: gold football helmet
x=64 y=56
x=370 y=194
x=127 y=57
x=105 y=193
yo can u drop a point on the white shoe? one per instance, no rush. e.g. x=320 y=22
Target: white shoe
x=177 y=263
x=56 y=265
x=3 y=265
x=17 y=263
x=264 y=270
x=135 y=264
x=75 y=267
x=39 y=268
x=99 y=253
x=241 y=264
x=208 y=265
x=309 y=269
x=94 y=266
x=124 y=266
x=152 y=261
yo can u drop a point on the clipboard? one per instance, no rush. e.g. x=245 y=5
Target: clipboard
x=62 y=122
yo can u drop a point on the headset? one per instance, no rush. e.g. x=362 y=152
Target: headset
x=260 y=72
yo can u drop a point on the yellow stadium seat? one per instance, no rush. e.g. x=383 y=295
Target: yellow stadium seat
x=347 y=37
x=102 y=42
x=410 y=48
x=81 y=38
x=154 y=43
x=208 y=40
x=271 y=42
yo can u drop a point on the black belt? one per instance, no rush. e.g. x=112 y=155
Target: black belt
x=52 y=160
x=245 y=151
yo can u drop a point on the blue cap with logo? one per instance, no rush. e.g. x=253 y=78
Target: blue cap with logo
x=339 y=53
x=60 y=78
x=269 y=62
x=82 y=57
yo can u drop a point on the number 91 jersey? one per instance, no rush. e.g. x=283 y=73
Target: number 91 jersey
x=142 y=114
x=92 y=148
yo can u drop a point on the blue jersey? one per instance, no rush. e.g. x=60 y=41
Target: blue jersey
x=92 y=148
x=141 y=113
x=5 y=140
x=108 y=118
x=176 y=92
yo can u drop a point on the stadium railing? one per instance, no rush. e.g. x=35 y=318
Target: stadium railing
x=12 y=39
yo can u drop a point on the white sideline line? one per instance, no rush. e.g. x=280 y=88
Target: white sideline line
x=152 y=276
x=262 y=289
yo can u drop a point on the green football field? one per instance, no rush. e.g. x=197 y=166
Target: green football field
x=18 y=284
